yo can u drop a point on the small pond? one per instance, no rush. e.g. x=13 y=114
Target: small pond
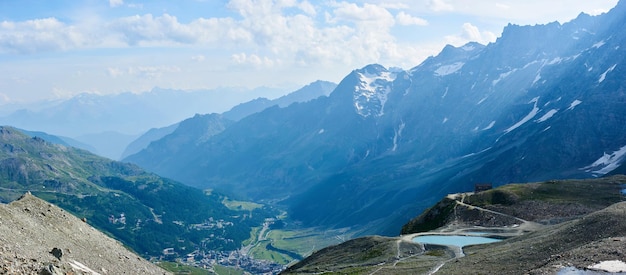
x=455 y=240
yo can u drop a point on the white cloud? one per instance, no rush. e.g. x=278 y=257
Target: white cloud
x=115 y=72
x=152 y=71
x=307 y=8
x=405 y=19
x=198 y=58
x=116 y=3
x=31 y=36
x=471 y=33
x=320 y=39
x=440 y=5
x=253 y=59
x=4 y=99
x=368 y=12
x=149 y=72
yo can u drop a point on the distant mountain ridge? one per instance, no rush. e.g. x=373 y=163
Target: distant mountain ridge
x=542 y=102
x=307 y=93
x=304 y=94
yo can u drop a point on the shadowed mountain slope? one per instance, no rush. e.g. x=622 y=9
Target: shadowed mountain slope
x=542 y=102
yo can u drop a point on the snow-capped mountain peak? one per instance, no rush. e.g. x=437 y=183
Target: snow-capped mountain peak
x=370 y=95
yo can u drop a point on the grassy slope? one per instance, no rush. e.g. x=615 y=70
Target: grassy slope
x=159 y=212
x=545 y=202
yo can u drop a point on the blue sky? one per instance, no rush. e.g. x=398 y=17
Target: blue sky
x=52 y=49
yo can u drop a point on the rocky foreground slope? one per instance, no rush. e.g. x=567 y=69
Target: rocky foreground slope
x=548 y=227
x=37 y=237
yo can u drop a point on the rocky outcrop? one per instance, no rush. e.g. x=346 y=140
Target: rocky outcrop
x=37 y=237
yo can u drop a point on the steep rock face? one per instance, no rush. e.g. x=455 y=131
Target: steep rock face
x=541 y=102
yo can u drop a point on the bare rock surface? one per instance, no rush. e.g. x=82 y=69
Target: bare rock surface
x=37 y=237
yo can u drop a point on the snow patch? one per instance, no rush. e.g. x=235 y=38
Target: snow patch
x=599 y=44
x=606 y=163
x=445 y=119
x=528 y=117
x=473 y=154
x=482 y=100
x=449 y=69
x=502 y=76
x=397 y=134
x=537 y=78
x=370 y=95
x=574 y=104
x=468 y=48
x=547 y=116
x=603 y=76
x=445 y=93
x=609 y=266
x=556 y=60
x=490 y=125
x=321 y=131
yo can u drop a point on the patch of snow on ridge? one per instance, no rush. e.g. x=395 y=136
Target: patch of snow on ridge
x=574 y=104
x=556 y=60
x=468 y=48
x=603 y=76
x=606 y=163
x=547 y=116
x=490 y=125
x=502 y=76
x=599 y=44
x=370 y=95
x=528 y=117
x=449 y=69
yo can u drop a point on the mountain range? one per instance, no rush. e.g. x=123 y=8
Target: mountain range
x=95 y=119
x=309 y=92
x=542 y=102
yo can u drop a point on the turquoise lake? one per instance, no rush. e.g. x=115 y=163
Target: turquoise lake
x=455 y=240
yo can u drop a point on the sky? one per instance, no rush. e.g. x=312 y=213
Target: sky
x=54 y=49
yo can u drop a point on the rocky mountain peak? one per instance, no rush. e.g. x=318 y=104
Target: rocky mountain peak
x=370 y=94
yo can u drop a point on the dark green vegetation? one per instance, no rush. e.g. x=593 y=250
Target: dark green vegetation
x=144 y=211
x=567 y=223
